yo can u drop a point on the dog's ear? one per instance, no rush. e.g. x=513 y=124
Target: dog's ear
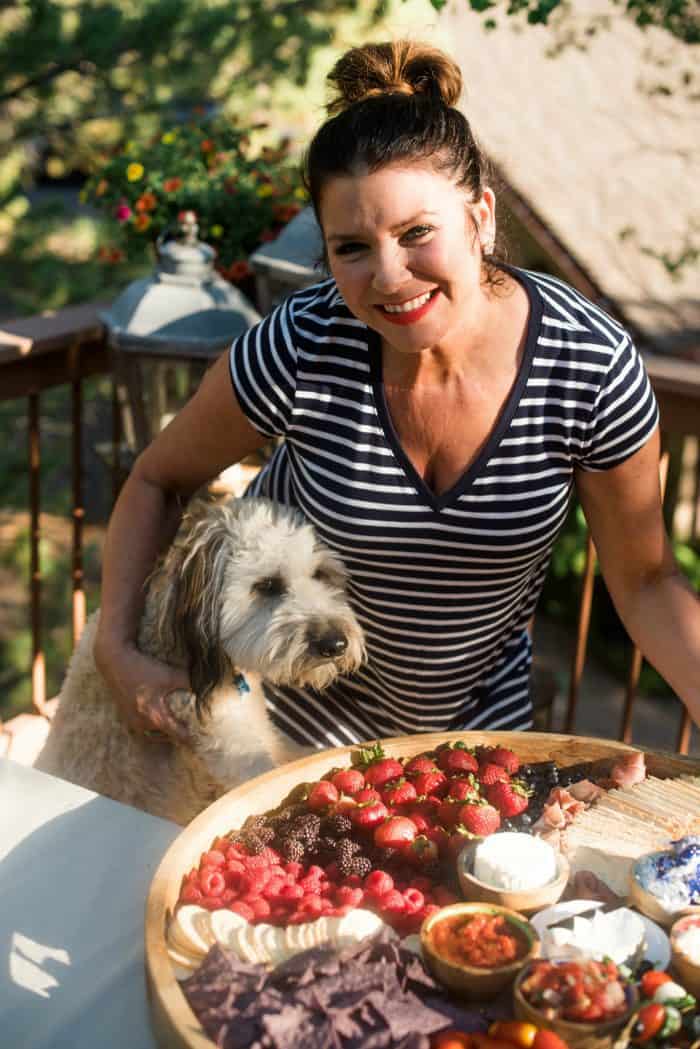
x=190 y=608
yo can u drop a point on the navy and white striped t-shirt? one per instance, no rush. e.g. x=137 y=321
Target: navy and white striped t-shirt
x=444 y=586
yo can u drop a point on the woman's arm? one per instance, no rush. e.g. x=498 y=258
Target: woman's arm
x=208 y=434
x=654 y=600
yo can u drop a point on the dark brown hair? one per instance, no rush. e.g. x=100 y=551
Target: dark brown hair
x=396 y=102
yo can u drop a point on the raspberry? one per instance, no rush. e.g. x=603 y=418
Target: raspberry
x=422 y=884
x=414 y=900
x=260 y=908
x=235 y=867
x=392 y=903
x=256 y=863
x=273 y=888
x=293 y=869
x=378 y=883
x=311 y=904
x=211 y=903
x=214 y=858
x=310 y=883
x=346 y=896
x=191 y=894
x=212 y=882
x=291 y=892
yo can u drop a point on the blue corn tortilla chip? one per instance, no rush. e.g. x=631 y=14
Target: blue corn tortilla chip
x=372 y=995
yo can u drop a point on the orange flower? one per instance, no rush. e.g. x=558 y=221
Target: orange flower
x=146 y=202
x=207 y=145
x=101 y=187
x=171 y=185
x=142 y=222
x=116 y=255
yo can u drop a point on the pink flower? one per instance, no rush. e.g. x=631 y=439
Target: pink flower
x=123 y=212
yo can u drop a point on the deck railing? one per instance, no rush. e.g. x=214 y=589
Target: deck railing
x=68 y=346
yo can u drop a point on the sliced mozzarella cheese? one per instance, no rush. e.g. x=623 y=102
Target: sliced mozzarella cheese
x=356 y=925
x=187 y=928
x=223 y=924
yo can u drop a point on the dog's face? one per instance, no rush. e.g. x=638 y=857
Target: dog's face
x=251 y=587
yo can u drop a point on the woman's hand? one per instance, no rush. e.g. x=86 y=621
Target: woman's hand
x=140 y=686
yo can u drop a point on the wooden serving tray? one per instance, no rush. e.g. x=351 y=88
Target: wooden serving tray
x=174 y=1023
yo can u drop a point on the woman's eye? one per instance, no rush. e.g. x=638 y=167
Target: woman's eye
x=349 y=248
x=417 y=232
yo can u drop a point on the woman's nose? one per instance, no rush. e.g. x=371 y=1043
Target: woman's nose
x=390 y=271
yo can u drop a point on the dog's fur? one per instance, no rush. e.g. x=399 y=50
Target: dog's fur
x=246 y=586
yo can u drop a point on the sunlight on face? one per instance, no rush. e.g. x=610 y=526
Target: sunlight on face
x=404 y=248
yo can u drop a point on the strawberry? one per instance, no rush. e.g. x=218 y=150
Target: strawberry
x=415 y=814
x=480 y=818
x=398 y=792
x=491 y=773
x=440 y=836
x=322 y=795
x=507 y=758
x=431 y=783
x=459 y=837
x=395 y=833
x=448 y=813
x=367 y=794
x=369 y=815
x=499 y=756
x=456 y=759
x=348 y=781
x=423 y=852
x=421 y=763
x=509 y=798
x=463 y=789
x=379 y=769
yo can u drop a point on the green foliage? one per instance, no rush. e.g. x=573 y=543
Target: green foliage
x=64 y=63
x=241 y=195
x=678 y=17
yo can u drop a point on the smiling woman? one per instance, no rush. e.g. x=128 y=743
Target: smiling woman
x=437 y=409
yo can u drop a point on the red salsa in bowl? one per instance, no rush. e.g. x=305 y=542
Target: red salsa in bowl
x=482 y=940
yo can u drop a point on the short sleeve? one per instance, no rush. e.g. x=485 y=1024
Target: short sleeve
x=263 y=365
x=624 y=415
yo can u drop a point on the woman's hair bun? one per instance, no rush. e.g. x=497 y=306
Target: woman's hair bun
x=400 y=66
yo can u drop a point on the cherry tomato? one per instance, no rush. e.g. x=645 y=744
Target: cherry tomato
x=487 y=1041
x=516 y=1031
x=545 y=1039
x=651 y=981
x=650 y=1020
x=451 y=1039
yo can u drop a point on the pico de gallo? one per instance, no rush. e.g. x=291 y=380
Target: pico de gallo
x=583 y=992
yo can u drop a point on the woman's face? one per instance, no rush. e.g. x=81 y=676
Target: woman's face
x=404 y=252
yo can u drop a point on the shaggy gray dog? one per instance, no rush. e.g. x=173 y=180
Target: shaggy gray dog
x=245 y=587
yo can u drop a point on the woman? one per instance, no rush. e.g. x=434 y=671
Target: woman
x=437 y=409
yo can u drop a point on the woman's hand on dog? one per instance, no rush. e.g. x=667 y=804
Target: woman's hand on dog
x=140 y=687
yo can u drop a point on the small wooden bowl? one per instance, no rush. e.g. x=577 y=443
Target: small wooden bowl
x=646 y=901
x=524 y=901
x=576 y=1035
x=470 y=981
x=687 y=970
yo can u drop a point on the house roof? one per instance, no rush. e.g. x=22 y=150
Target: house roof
x=592 y=142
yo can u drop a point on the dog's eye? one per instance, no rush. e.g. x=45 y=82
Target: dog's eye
x=322 y=575
x=270 y=586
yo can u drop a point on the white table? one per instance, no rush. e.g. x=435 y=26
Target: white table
x=74 y=874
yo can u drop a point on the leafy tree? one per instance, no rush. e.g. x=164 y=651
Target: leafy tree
x=69 y=70
x=681 y=18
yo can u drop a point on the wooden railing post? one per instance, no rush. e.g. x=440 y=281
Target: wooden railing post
x=38 y=661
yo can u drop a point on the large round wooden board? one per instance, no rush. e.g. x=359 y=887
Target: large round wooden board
x=174 y=1022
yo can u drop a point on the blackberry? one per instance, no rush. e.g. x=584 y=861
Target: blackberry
x=306 y=828
x=323 y=850
x=292 y=850
x=344 y=853
x=253 y=844
x=359 y=865
x=337 y=825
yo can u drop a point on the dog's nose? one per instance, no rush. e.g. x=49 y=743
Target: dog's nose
x=328 y=645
